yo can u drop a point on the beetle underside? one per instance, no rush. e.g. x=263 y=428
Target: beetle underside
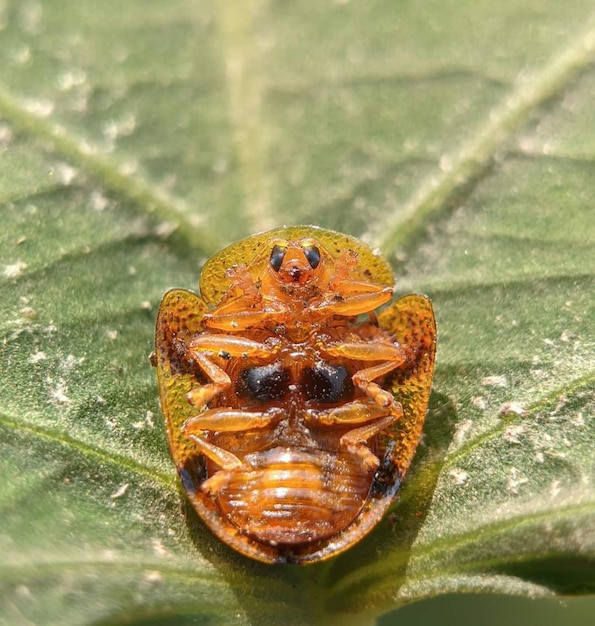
x=293 y=411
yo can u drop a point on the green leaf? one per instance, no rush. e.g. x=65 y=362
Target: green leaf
x=139 y=137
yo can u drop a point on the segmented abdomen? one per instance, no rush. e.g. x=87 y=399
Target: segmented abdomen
x=295 y=496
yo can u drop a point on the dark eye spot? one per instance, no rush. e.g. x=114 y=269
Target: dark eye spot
x=327 y=383
x=277 y=256
x=263 y=383
x=313 y=255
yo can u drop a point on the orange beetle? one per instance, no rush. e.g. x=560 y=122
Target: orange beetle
x=293 y=411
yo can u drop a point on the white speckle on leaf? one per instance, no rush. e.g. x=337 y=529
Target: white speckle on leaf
x=109 y=555
x=160 y=549
x=128 y=168
x=6 y=135
x=139 y=227
x=21 y=55
x=562 y=402
x=196 y=219
x=120 y=491
x=446 y=163
x=147 y=422
x=58 y=394
x=39 y=108
x=494 y=381
x=459 y=476
x=98 y=201
x=121 y=127
x=512 y=433
x=165 y=229
x=28 y=312
x=578 y=419
x=89 y=148
x=153 y=577
x=66 y=173
x=71 y=78
x=31 y=15
x=567 y=336
x=515 y=480
x=23 y=592
x=37 y=357
x=14 y=270
x=512 y=408
x=110 y=423
x=461 y=431
x=479 y=402
x=555 y=488
x=70 y=362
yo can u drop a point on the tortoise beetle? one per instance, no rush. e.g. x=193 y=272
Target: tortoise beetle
x=293 y=409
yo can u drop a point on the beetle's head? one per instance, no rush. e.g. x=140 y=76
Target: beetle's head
x=296 y=262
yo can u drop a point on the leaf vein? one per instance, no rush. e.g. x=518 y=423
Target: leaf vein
x=61 y=438
x=474 y=157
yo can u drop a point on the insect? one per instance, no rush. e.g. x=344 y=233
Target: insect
x=293 y=410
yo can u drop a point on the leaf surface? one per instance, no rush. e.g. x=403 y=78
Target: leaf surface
x=137 y=138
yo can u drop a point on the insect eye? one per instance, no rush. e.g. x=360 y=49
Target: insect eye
x=313 y=255
x=277 y=256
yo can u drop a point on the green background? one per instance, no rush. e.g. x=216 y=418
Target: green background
x=137 y=138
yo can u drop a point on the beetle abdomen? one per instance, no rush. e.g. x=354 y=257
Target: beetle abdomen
x=295 y=496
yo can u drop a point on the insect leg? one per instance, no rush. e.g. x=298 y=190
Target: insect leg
x=354 y=440
x=230 y=346
x=230 y=420
x=391 y=355
x=363 y=379
x=354 y=302
x=224 y=347
x=358 y=412
x=225 y=459
x=224 y=420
